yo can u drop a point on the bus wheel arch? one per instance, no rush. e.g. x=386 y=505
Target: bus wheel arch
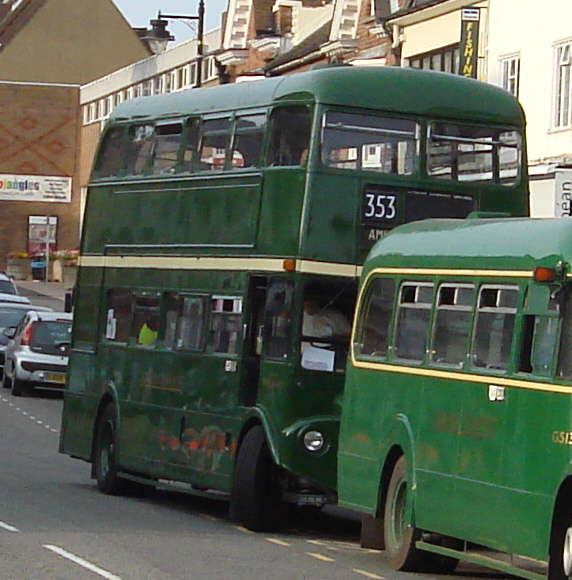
x=103 y=403
x=255 y=496
x=560 y=546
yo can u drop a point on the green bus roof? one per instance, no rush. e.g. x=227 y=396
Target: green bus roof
x=390 y=89
x=505 y=243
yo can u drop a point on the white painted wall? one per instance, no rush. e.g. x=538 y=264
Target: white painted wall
x=531 y=29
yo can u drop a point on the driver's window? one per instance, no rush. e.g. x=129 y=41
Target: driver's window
x=326 y=324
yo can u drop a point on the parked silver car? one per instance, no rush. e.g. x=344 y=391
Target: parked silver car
x=37 y=354
x=7 y=284
x=10 y=315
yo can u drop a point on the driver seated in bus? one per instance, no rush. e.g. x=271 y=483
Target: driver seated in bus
x=321 y=321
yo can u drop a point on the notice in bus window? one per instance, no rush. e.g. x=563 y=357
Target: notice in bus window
x=318 y=359
x=111 y=326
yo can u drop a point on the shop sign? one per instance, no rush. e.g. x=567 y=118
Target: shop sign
x=563 y=193
x=469 y=41
x=35 y=188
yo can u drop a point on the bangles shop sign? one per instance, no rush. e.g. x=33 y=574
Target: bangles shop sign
x=35 y=188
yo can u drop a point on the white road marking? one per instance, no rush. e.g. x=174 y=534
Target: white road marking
x=8 y=527
x=81 y=562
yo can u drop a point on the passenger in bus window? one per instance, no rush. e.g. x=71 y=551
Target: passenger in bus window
x=148 y=332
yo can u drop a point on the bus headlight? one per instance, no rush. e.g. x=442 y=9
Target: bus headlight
x=313 y=441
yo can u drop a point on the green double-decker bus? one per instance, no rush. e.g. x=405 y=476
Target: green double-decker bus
x=456 y=428
x=214 y=217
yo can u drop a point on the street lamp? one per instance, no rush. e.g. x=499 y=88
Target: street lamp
x=159 y=36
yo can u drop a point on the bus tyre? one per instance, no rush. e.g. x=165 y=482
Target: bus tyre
x=399 y=537
x=105 y=466
x=560 y=550
x=255 y=500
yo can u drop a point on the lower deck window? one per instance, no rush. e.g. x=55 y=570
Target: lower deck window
x=413 y=316
x=226 y=322
x=494 y=328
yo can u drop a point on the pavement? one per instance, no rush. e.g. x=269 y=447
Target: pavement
x=55 y=290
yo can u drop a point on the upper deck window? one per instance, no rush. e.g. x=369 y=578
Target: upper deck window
x=140 y=149
x=473 y=153
x=215 y=142
x=110 y=159
x=290 y=129
x=166 y=146
x=248 y=139
x=381 y=144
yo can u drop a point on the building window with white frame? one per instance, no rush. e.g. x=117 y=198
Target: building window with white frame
x=510 y=73
x=562 y=93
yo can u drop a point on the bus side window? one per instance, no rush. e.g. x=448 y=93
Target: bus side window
x=166 y=148
x=248 y=139
x=494 y=327
x=140 y=149
x=191 y=144
x=375 y=319
x=564 y=366
x=226 y=323
x=215 y=142
x=109 y=161
x=191 y=323
x=145 y=323
x=452 y=325
x=290 y=129
x=119 y=304
x=415 y=300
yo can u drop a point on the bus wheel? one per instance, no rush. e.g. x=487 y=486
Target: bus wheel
x=105 y=465
x=560 y=559
x=399 y=537
x=255 y=500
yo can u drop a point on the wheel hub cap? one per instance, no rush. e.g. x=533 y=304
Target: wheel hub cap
x=567 y=552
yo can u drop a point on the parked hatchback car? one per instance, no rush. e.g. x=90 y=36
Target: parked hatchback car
x=7 y=284
x=37 y=354
x=10 y=315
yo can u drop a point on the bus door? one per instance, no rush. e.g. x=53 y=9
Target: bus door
x=253 y=341
x=270 y=345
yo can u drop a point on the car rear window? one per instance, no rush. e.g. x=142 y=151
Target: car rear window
x=7 y=287
x=51 y=337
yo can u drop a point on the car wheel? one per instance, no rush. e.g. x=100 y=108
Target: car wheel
x=6 y=382
x=18 y=387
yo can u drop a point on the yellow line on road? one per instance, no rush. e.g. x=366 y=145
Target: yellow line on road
x=368 y=574
x=320 y=557
x=243 y=530
x=317 y=542
x=278 y=542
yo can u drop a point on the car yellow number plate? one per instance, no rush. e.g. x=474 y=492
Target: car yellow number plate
x=56 y=377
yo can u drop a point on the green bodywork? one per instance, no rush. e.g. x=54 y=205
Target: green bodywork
x=483 y=470
x=180 y=415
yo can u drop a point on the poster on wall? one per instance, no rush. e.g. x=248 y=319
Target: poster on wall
x=35 y=188
x=41 y=232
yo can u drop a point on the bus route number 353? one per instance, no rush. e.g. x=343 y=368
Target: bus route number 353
x=379 y=206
